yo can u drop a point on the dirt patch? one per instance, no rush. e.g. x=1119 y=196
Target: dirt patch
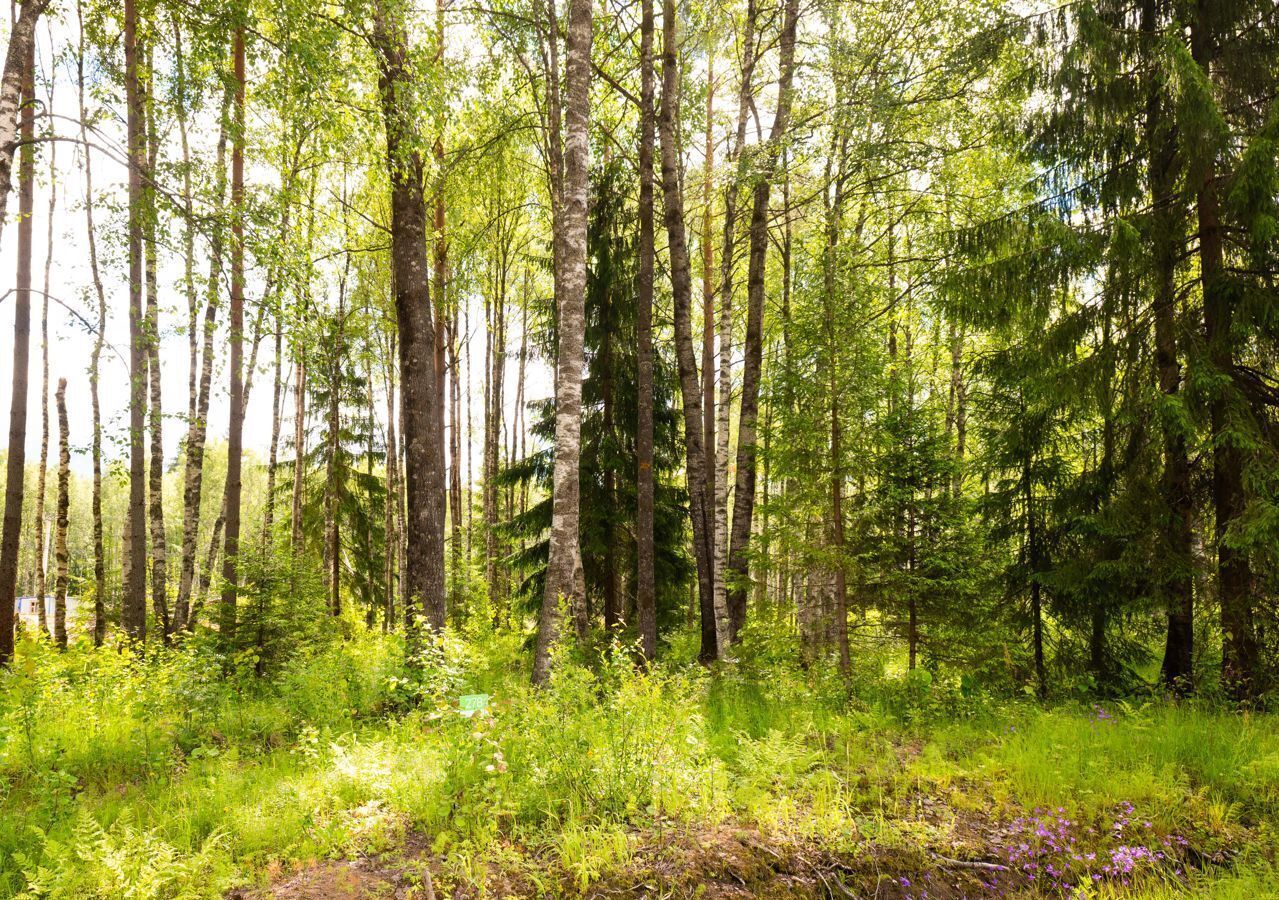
x=722 y=863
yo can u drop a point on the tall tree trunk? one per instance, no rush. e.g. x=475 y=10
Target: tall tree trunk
x=198 y=401
x=1036 y=592
x=470 y=434
x=273 y=455
x=494 y=415
x=16 y=470
x=1234 y=574
x=134 y=606
x=1177 y=671
x=737 y=574
x=460 y=563
x=714 y=620
x=39 y=558
x=235 y=425
x=717 y=448
x=188 y=231
x=64 y=505
x=834 y=213
x=299 y=391
x=17 y=61
x=957 y=408
x=608 y=428
x=299 y=451
x=718 y=498
x=333 y=434
x=564 y=577
x=392 y=495
x=155 y=510
x=95 y=359
x=424 y=482
x=645 y=553
x=520 y=430
x=439 y=282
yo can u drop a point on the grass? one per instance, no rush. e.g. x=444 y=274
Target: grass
x=166 y=778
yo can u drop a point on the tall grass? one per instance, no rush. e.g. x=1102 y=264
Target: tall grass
x=172 y=777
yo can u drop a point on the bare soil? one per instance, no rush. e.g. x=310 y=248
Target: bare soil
x=720 y=863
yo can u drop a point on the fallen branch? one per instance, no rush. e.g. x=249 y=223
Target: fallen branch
x=969 y=863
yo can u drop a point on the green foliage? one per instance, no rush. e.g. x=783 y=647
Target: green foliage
x=162 y=778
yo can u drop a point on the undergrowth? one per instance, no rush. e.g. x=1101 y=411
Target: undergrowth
x=182 y=775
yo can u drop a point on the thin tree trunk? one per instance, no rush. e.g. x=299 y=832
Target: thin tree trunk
x=424 y=482
x=392 y=496
x=333 y=425
x=520 y=429
x=717 y=500
x=299 y=451
x=460 y=566
x=39 y=559
x=495 y=366
x=718 y=456
x=273 y=455
x=612 y=608
x=714 y=620
x=1234 y=574
x=439 y=280
x=299 y=392
x=834 y=213
x=738 y=571
x=155 y=511
x=201 y=595
x=564 y=576
x=235 y=425
x=99 y=555
x=64 y=505
x=1036 y=598
x=198 y=415
x=470 y=472
x=14 y=484
x=134 y=606
x=1177 y=671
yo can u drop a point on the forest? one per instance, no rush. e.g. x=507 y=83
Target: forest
x=679 y=448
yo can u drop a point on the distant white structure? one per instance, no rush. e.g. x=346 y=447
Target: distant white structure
x=28 y=609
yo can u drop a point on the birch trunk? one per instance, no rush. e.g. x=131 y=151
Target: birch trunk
x=134 y=606
x=40 y=552
x=16 y=62
x=159 y=554
x=714 y=617
x=738 y=572
x=235 y=425
x=14 y=484
x=64 y=505
x=333 y=425
x=299 y=451
x=564 y=577
x=95 y=359
x=392 y=497
x=709 y=412
x=198 y=414
x=646 y=579
x=273 y=455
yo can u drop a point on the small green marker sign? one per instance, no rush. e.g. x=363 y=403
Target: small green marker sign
x=470 y=704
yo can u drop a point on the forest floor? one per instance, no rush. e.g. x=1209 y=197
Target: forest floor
x=343 y=775
x=714 y=862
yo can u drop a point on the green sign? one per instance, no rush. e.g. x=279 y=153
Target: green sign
x=470 y=704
